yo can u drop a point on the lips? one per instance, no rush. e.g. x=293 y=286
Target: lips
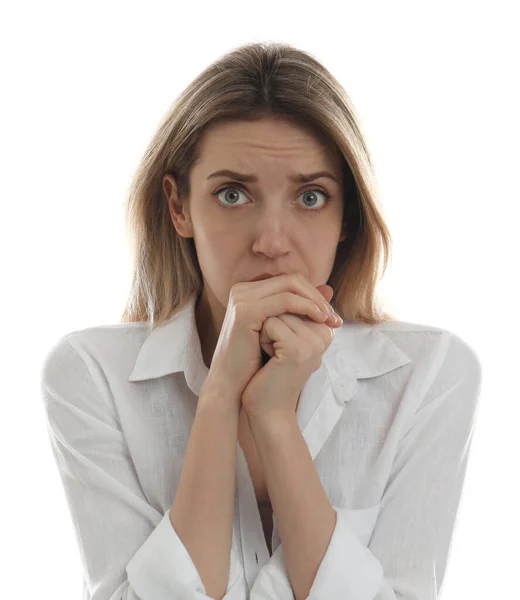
x=265 y=276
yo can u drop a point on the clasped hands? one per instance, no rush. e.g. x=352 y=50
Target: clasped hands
x=296 y=345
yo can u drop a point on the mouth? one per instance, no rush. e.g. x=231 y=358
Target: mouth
x=265 y=276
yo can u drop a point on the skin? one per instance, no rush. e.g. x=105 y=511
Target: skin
x=273 y=225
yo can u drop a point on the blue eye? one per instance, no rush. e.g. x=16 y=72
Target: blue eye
x=239 y=187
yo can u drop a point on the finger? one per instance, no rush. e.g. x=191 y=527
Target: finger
x=318 y=295
x=326 y=291
x=290 y=345
x=299 y=284
x=303 y=327
x=301 y=339
x=294 y=282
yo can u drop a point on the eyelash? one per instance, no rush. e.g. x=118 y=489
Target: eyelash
x=242 y=188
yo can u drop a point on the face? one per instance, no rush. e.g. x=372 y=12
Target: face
x=273 y=224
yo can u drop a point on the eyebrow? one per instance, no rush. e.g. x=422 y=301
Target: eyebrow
x=298 y=178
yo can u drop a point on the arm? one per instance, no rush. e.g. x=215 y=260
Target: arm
x=399 y=549
x=129 y=549
x=202 y=511
x=305 y=516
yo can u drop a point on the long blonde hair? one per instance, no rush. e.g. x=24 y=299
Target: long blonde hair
x=251 y=82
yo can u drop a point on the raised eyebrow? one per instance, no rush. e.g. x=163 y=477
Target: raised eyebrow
x=298 y=178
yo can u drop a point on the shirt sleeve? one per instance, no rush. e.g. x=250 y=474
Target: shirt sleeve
x=408 y=550
x=128 y=549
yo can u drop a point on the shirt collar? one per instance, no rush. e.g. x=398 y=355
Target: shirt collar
x=358 y=351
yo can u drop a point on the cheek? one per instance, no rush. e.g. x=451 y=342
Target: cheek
x=324 y=244
x=212 y=239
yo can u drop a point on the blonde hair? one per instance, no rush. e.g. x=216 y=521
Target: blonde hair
x=253 y=81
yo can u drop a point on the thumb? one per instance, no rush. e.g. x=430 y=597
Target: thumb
x=326 y=291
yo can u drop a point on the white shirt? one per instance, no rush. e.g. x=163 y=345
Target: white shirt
x=388 y=419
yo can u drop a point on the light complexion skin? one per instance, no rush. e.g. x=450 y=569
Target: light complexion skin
x=242 y=229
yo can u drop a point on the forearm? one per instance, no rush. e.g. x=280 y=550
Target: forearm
x=305 y=517
x=202 y=510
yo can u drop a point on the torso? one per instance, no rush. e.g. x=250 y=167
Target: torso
x=248 y=446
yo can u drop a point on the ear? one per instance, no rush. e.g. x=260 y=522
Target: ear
x=179 y=211
x=343 y=235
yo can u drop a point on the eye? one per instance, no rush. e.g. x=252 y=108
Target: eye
x=239 y=188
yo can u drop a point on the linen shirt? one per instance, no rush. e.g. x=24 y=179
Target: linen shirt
x=388 y=418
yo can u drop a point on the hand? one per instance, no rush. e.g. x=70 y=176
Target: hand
x=237 y=355
x=296 y=345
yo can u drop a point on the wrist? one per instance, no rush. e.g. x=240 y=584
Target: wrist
x=219 y=396
x=273 y=424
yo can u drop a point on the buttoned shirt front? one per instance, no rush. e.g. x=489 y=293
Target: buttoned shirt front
x=388 y=419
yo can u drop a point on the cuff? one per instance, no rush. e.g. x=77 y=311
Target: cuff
x=162 y=569
x=348 y=569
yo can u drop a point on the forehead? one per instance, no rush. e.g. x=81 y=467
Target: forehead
x=276 y=136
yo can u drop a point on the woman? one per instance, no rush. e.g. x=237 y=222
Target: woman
x=227 y=439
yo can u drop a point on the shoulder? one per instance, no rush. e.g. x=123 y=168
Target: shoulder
x=98 y=349
x=420 y=338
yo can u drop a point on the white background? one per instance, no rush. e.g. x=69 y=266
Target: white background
x=84 y=86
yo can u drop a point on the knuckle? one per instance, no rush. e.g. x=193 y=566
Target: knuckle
x=236 y=287
x=235 y=293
